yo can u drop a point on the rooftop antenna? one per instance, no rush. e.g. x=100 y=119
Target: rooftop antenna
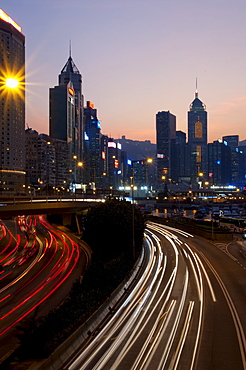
x=196 y=94
x=70 y=48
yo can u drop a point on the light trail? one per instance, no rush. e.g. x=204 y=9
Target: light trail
x=40 y=280
x=234 y=314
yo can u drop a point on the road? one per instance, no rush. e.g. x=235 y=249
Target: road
x=187 y=311
x=38 y=266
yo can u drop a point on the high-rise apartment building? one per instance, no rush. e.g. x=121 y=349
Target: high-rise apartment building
x=12 y=103
x=46 y=162
x=197 y=138
x=165 y=140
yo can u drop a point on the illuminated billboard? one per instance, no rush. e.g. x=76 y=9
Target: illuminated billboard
x=90 y=105
x=71 y=91
x=111 y=144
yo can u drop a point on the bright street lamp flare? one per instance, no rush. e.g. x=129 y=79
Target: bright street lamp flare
x=12 y=83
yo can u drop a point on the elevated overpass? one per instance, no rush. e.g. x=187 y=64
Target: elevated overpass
x=65 y=212
x=43 y=207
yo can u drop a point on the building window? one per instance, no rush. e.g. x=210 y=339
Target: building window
x=198 y=154
x=198 y=129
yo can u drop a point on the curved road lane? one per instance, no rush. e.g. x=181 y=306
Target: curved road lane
x=38 y=266
x=186 y=312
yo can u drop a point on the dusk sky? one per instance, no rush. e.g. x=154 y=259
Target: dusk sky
x=138 y=57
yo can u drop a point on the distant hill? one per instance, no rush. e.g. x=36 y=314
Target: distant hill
x=136 y=149
x=242 y=143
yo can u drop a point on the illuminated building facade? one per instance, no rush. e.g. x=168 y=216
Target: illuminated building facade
x=237 y=160
x=165 y=140
x=114 y=164
x=62 y=120
x=71 y=74
x=92 y=152
x=219 y=163
x=104 y=162
x=46 y=163
x=12 y=103
x=197 y=138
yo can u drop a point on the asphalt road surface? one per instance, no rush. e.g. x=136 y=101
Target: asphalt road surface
x=187 y=311
x=38 y=266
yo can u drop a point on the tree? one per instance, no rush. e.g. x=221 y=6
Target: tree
x=108 y=228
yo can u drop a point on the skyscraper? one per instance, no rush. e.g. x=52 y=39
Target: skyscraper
x=197 y=137
x=12 y=103
x=237 y=159
x=92 y=156
x=62 y=121
x=219 y=166
x=66 y=113
x=181 y=165
x=71 y=73
x=165 y=139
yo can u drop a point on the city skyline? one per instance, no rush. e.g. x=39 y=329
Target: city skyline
x=137 y=58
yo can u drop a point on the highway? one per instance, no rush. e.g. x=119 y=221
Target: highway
x=38 y=265
x=186 y=311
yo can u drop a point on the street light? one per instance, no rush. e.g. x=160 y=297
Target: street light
x=80 y=165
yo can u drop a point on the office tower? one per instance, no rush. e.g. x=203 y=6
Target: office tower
x=165 y=139
x=114 y=164
x=197 y=138
x=242 y=148
x=231 y=140
x=70 y=73
x=92 y=155
x=12 y=102
x=181 y=165
x=219 y=164
x=62 y=120
x=66 y=114
x=237 y=159
x=103 y=183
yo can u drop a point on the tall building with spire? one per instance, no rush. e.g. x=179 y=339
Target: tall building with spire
x=12 y=105
x=71 y=73
x=66 y=113
x=197 y=138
